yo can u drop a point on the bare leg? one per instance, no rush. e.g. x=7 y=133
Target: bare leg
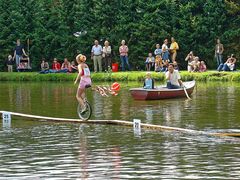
x=79 y=96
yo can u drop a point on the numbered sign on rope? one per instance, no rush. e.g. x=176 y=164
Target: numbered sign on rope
x=6 y=119
x=137 y=127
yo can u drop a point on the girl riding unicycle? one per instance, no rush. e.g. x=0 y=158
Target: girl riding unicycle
x=84 y=108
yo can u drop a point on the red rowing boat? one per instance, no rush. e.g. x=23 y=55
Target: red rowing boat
x=162 y=92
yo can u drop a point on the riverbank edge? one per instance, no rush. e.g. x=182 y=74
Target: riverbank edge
x=119 y=76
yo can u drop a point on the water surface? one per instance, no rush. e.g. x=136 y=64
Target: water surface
x=46 y=150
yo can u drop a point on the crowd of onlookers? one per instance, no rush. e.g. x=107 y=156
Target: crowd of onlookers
x=102 y=59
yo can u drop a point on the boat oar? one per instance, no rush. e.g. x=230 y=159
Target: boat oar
x=186 y=93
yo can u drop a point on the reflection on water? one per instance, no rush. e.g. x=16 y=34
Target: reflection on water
x=41 y=150
x=210 y=104
x=72 y=151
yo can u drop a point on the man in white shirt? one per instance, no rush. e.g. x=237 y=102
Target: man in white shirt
x=173 y=78
x=96 y=55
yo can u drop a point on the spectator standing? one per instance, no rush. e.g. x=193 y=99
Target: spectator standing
x=107 y=59
x=19 y=52
x=96 y=55
x=123 y=50
x=10 y=63
x=173 y=49
x=165 y=52
x=218 y=52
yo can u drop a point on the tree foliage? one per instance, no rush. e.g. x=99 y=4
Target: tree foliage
x=49 y=25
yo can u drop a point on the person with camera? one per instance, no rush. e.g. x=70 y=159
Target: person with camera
x=190 y=58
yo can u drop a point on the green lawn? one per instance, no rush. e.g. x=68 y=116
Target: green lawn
x=119 y=76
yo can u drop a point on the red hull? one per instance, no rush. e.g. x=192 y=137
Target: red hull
x=161 y=92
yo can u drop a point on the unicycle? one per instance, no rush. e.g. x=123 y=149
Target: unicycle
x=86 y=114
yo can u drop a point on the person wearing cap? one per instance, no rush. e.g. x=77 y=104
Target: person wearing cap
x=148 y=82
x=173 y=78
x=85 y=80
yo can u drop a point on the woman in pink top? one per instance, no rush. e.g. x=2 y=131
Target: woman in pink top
x=85 y=80
x=123 y=50
x=202 y=67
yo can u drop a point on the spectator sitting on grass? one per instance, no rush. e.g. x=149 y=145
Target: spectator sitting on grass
x=190 y=58
x=56 y=66
x=229 y=65
x=149 y=62
x=194 y=64
x=73 y=67
x=44 y=66
x=202 y=67
x=66 y=66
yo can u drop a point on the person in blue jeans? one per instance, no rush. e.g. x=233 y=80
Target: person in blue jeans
x=19 y=52
x=218 y=52
x=229 y=65
x=123 y=50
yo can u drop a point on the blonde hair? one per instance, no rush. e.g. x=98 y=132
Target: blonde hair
x=81 y=58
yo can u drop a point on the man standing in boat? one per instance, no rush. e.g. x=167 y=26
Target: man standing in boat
x=173 y=78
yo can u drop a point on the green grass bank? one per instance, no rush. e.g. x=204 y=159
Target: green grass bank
x=120 y=76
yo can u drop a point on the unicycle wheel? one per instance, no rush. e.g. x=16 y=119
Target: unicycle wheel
x=87 y=113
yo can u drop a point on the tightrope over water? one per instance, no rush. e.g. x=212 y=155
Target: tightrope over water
x=123 y=123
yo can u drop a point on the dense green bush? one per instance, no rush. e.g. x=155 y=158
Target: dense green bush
x=49 y=26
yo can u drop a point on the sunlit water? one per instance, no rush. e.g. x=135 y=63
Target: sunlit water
x=46 y=150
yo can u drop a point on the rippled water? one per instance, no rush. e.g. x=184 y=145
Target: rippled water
x=45 y=150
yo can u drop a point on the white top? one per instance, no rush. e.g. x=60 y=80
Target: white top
x=107 y=50
x=174 y=77
x=164 y=47
x=97 y=50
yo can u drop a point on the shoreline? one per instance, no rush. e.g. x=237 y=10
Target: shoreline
x=137 y=76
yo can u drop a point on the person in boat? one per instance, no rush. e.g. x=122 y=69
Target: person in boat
x=173 y=78
x=85 y=80
x=148 y=82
